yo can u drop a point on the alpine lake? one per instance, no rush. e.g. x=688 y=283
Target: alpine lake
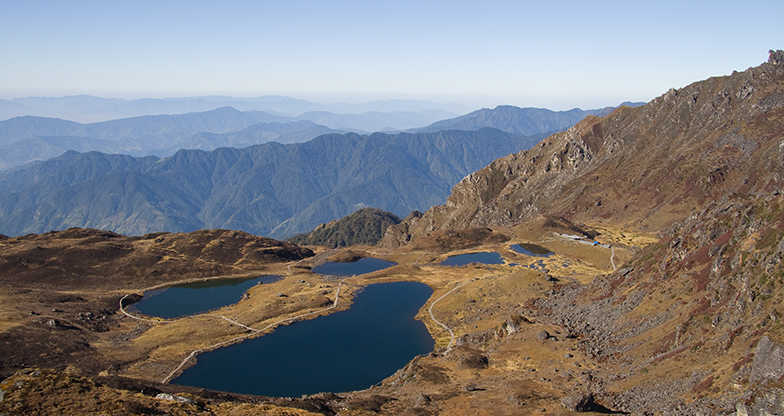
x=347 y=350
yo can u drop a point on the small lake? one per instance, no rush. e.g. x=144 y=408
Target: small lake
x=532 y=250
x=485 y=257
x=344 y=351
x=361 y=266
x=198 y=297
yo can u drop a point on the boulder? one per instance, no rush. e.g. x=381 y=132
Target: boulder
x=473 y=360
x=578 y=402
x=768 y=361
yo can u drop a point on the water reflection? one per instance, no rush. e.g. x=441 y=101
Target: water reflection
x=532 y=250
x=485 y=257
x=197 y=297
x=361 y=266
x=344 y=351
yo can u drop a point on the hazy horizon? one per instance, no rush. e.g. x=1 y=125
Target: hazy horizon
x=556 y=56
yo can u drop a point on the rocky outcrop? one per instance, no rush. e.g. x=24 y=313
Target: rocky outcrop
x=492 y=195
x=767 y=370
x=768 y=361
x=692 y=322
x=578 y=402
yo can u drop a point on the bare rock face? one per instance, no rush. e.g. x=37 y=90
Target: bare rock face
x=647 y=166
x=776 y=57
x=766 y=370
x=768 y=361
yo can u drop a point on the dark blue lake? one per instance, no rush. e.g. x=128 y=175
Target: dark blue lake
x=532 y=250
x=361 y=266
x=345 y=351
x=198 y=297
x=485 y=257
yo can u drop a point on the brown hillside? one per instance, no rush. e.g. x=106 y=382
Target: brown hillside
x=643 y=168
x=60 y=290
x=691 y=324
x=85 y=258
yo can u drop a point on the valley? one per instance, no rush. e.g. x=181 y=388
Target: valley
x=663 y=294
x=472 y=301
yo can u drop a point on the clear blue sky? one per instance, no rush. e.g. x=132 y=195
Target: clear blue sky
x=558 y=54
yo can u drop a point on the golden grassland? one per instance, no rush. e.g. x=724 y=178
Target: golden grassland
x=528 y=369
x=482 y=304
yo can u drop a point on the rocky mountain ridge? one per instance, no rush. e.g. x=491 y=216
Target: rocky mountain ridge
x=692 y=323
x=646 y=167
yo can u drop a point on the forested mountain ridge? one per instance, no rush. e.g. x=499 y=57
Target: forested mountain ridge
x=365 y=226
x=270 y=189
x=31 y=138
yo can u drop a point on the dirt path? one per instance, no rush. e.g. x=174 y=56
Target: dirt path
x=612 y=258
x=430 y=310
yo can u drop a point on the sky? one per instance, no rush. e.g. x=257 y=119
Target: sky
x=557 y=54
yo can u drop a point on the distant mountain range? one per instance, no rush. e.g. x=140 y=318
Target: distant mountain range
x=32 y=138
x=516 y=120
x=90 y=109
x=375 y=121
x=29 y=138
x=270 y=189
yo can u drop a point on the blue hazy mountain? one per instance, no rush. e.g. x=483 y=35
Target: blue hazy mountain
x=30 y=138
x=34 y=138
x=89 y=109
x=522 y=121
x=270 y=189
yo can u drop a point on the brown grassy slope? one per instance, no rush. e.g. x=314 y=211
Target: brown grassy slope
x=46 y=392
x=59 y=291
x=682 y=322
x=644 y=167
x=85 y=258
x=678 y=330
